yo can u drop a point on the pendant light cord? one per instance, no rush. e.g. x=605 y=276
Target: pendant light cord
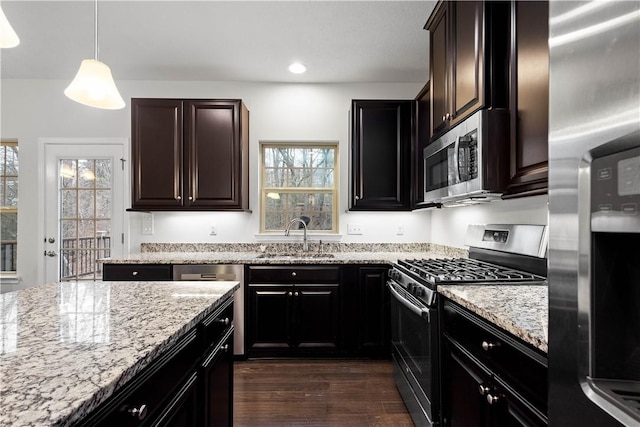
x=95 y=26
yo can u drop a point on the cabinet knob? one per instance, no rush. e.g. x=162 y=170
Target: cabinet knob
x=492 y=399
x=225 y=348
x=294 y=274
x=224 y=321
x=138 y=413
x=444 y=118
x=447 y=116
x=296 y=294
x=190 y=197
x=290 y=293
x=357 y=197
x=178 y=197
x=134 y=273
x=486 y=346
x=484 y=389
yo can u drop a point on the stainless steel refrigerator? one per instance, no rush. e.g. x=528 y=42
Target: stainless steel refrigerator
x=594 y=213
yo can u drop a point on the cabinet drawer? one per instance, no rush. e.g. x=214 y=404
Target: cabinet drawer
x=136 y=272
x=294 y=274
x=217 y=323
x=151 y=390
x=514 y=362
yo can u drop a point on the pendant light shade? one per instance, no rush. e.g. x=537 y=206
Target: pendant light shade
x=93 y=85
x=8 y=37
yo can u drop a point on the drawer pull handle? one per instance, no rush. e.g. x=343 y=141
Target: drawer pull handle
x=138 y=413
x=486 y=346
x=224 y=321
x=484 y=389
x=296 y=293
x=294 y=274
x=492 y=400
x=225 y=348
x=290 y=293
x=135 y=273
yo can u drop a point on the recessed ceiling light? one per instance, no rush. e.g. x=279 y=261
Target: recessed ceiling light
x=297 y=68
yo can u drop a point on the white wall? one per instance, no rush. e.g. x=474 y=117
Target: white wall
x=448 y=225
x=33 y=109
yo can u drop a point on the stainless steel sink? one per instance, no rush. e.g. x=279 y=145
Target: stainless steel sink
x=289 y=255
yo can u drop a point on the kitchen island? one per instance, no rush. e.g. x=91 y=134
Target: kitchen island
x=68 y=347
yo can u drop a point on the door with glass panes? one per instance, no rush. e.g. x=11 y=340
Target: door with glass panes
x=84 y=208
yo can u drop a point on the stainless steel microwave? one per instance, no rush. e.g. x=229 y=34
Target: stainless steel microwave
x=470 y=163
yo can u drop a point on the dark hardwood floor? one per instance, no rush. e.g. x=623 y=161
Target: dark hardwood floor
x=317 y=393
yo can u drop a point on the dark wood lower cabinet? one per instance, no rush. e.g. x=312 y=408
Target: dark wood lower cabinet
x=217 y=380
x=489 y=378
x=374 y=318
x=288 y=320
x=191 y=384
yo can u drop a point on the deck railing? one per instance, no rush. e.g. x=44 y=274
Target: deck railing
x=78 y=257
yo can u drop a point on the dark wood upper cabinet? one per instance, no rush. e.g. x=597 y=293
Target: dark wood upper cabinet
x=529 y=99
x=189 y=154
x=468 y=60
x=422 y=137
x=382 y=133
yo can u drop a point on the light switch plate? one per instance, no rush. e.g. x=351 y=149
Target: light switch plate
x=147 y=223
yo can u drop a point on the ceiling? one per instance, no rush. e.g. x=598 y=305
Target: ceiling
x=339 y=41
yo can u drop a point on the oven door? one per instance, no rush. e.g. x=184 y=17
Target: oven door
x=414 y=338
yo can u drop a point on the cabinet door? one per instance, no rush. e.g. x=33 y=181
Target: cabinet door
x=217 y=373
x=467 y=55
x=463 y=404
x=156 y=153
x=382 y=133
x=214 y=153
x=374 y=316
x=439 y=32
x=529 y=98
x=269 y=318
x=316 y=318
x=182 y=411
x=423 y=136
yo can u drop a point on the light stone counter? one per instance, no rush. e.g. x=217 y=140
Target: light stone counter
x=251 y=253
x=65 y=348
x=519 y=309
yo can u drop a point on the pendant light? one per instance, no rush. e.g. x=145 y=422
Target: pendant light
x=8 y=37
x=93 y=85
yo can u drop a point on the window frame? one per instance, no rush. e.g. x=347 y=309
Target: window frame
x=334 y=191
x=13 y=209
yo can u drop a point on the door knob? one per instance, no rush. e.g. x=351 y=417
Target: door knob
x=51 y=240
x=50 y=254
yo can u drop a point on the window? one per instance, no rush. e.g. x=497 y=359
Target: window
x=299 y=180
x=9 y=205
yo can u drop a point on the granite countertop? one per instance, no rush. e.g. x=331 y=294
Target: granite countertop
x=519 y=309
x=268 y=258
x=251 y=253
x=65 y=348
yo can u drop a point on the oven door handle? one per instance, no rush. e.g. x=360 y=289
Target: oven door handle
x=424 y=313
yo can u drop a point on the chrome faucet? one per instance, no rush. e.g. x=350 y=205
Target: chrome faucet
x=305 y=245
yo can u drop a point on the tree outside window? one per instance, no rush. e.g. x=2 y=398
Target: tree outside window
x=299 y=180
x=9 y=205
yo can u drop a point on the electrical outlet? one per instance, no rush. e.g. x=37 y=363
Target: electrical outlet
x=213 y=230
x=354 y=228
x=400 y=230
x=147 y=223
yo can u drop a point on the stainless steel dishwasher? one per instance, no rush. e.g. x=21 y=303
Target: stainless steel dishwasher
x=217 y=272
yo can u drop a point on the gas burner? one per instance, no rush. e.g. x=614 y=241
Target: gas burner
x=465 y=270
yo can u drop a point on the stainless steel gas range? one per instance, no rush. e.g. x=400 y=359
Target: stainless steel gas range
x=498 y=254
